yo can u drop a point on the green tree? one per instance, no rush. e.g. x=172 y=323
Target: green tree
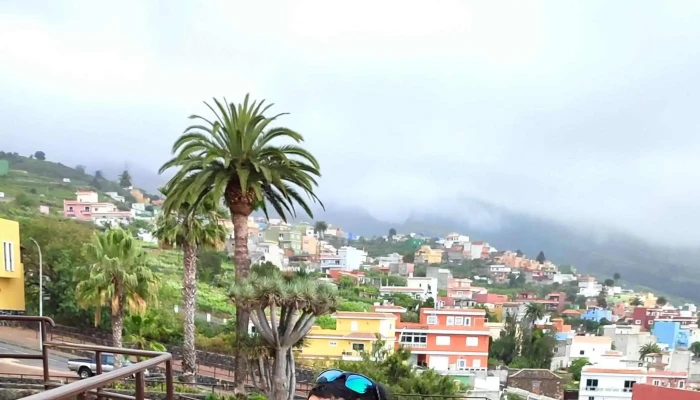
x=125 y=180
x=636 y=302
x=541 y=258
x=617 y=276
x=191 y=227
x=320 y=228
x=695 y=348
x=394 y=372
x=40 y=155
x=661 y=301
x=609 y=282
x=392 y=233
x=234 y=157
x=116 y=275
x=26 y=201
x=534 y=312
x=61 y=242
x=648 y=348
x=143 y=331
x=409 y=257
x=293 y=303
x=576 y=367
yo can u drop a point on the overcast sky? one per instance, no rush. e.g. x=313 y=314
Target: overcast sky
x=581 y=111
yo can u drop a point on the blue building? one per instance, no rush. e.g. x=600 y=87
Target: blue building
x=671 y=334
x=597 y=314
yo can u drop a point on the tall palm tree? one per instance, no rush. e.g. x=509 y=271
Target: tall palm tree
x=117 y=275
x=234 y=156
x=649 y=348
x=191 y=227
x=534 y=312
x=320 y=228
x=636 y=302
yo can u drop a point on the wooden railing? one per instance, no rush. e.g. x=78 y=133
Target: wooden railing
x=93 y=387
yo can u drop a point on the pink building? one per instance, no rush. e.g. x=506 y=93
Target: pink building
x=87 y=207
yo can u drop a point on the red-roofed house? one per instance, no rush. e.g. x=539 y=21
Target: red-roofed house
x=490 y=300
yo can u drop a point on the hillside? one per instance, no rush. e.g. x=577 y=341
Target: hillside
x=672 y=272
x=34 y=182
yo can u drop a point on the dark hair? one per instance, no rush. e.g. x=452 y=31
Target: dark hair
x=337 y=390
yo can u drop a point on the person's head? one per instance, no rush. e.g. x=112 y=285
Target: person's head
x=340 y=385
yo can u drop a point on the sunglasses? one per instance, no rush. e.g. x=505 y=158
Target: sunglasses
x=359 y=384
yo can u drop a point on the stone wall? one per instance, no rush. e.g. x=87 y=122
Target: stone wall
x=14 y=394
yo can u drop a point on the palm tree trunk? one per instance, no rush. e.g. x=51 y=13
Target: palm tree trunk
x=242 y=260
x=118 y=322
x=189 y=296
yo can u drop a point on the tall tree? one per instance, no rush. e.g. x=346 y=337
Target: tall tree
x=116 y=275
x=617 y=276
x=661 y=301
x=392 y=233
x=40 y=155
x=320 y=228
x=283 y=310
x=125 y=180
x=234 y=157
x=191 y=227
x=541 y=258
x=534 y=312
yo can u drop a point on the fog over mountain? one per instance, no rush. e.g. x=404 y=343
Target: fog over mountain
x=581 y=114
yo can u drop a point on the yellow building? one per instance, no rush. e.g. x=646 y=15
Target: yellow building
x=429 y=256
x=355 y=332
x=309 y=245
x=11 y=269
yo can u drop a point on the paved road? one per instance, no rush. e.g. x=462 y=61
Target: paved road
x=56 y=362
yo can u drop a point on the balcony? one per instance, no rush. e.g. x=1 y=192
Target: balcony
x=414 y=345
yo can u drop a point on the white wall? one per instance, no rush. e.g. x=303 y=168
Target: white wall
x=424 y=283
x=89 y=197
x=610 y=386
x=591 y=351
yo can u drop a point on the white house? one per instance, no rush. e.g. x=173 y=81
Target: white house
x=609 y=383
x=272 y=253
x=589 y=347
x=589 y=288
x=385 y=261
x=428 y=285
x=499 y=268
x=115 y=196
x=346 y=258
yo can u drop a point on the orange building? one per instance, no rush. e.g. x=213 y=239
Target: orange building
x=447 y=339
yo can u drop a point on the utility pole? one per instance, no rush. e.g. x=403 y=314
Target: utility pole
x=41 y=293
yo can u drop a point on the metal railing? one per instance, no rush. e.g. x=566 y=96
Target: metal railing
x=93 y=387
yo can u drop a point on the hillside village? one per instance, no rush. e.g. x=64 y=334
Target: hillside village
x=459 y=305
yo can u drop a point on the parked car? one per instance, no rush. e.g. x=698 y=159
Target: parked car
x=86 y=367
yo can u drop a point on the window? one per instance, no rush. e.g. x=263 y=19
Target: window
x=591 y=384
x=70 y=208
x=637 y=322
x=628 y=386
x=459 y=320
x=657 y=382
x=413 y=339
x=87 y=209
x=432 y=320
x=681 y=384
x=472 y=341
x=450 y=320
x=9 y=256
x=332 y=344
x=591 y=398
x=467 y=321
x=358 y=346
x=461 y=364
x=442 y=340
x=582 y=352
